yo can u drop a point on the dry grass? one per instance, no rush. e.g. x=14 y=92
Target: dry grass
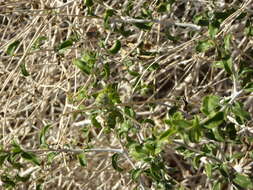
x=29 y=103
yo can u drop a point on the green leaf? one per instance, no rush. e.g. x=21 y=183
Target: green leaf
x=83 y=66
x=227 y=40
x=16 y=148
x=210 y=104
x=51 y=156
x=214 y=120
x=82 y=159
x=218 y=134
x=39 y=42
x=115 y=158
x=129 y=111
x=12 y=47
x=208 y=170
x=217 y=186
x=162 y=7
x=150 y=121
x=39 y=186
x=8 y=182
x=115 y=48
x=204 y=45
x=213 y=28
x=3 y=157
x=244 y=181
x=88 y=3
x=248 y=30
x=31 y=157
x=155 y=171
x=107 y=70
x=137 y=151
x=144 y=26
x=42 y=135
x=123 y=31
x=194 y=133
x=240 y=113
x=108 y=14
x=90 y=57
x=231 y=131
x=135 y=174
x=23 y=70
x=226 y=64
x=64 y=45
x=167 y=134
x=248 y=87
x=22 y=178
x=95 y=122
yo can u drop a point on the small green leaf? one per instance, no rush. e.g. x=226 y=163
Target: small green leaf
x=22 y=178
x=107 y=70
x=210 y=104
x=39 y=42
x=214 y=120
x=217 y=186
x=129 y=111
x=213 y=28
x=12 y=47
x=83 y=66
x=227 y=40
x=31 y=157
x=240 y=113
x=64 y=45
x=108 y=14
x=204 y=45
x=150 y=121
x=16 y=148
x=166 y=134
x=7 y=181
x=208 y=170
x=115 y=48
x=51 y=156
x=88 y=3
x=231 y=131
x=95 y=122
x=248 y=30
x=3 y=157
x=162 y=8
x=226 y=64
x=155 y=171
x=115 y=158
x=82 y=159
x=244 y=181
x=144 y=26
x=218 y=134
x=249 y=87
x=135 y=174
x=23 y=70
x=42 y=135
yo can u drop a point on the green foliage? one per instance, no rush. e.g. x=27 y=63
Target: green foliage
x=23 y=70
x=210 y=104
x=161 y=146
x=115 y=48
x=204 y=45
x=243 y=181
x=12 y=47
x=115 y=165
x=65 y=45
x=42 y=135
x=39 y=42
x=82 y=159
x=87 y=62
